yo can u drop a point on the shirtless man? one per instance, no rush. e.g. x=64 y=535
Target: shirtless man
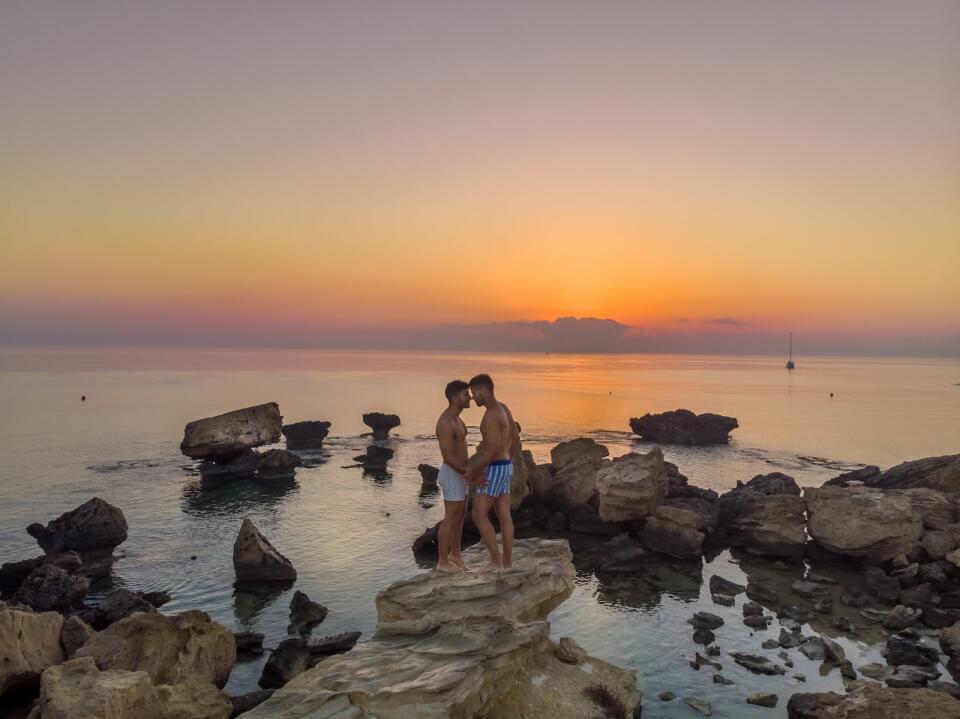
x=492 y=471
x=452 y=436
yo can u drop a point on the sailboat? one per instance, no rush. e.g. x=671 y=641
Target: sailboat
x=790 y=364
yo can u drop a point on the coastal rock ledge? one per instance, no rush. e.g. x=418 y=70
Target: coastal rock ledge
x=457 y=646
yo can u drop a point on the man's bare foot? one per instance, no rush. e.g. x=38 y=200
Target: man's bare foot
x=508 y=565
x=448 y=567
x=460 y=563
x=490 y=566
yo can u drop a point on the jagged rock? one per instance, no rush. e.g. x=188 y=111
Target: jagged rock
x=334 y=644
x=674 y=532
x=375 y=459
x=876 y=671
x=255 y=559
x=789 y=640
x=763 y=700
x=542 y=577
x=93 y=525
x=225 y=436
x=306 y=435
x=860 y=522
x=719 y=585
x=429 y=474
x=276 y=463
x=950 y=640
x=900 y=650
x=115 y=606
x=484 y=666
x=586 y=520
x=939 y=473
x=833 y=650
x=630 y=486
x=29 y=643
x=569 y=652
x=863 y=475
x=426 y=544
x=521 y=486
x=772 y=525
x=305 y=613
x=885 y=587
x=243 y=703
x=682 y=426
x=756 y=664
x=381 y=423
x=170 y=648
x=936 y=510
x=248 y=643
x=574 y=480
x=290 y=659
x=77 y=689
x=701 y=661
x=54 y=585
x=74 y=634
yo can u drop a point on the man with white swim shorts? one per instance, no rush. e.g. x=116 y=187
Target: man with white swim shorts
x=452 y=436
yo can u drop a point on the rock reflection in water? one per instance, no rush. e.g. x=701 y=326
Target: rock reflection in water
x=234 y=496
x=250 y=599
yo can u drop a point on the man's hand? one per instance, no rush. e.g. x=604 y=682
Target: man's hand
x=475 y=477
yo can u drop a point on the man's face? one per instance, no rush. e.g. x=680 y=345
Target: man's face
x=479 y=395
x=463 y=399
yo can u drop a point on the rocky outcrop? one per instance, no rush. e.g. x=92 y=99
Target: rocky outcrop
x=93 y=525
x=115 y=606
x=862 y=522
x=675 y=532
x=74 y=634
x=277 y=463
x=541 y=578
x=381 y=423
x=936 y=510
x=54 y=584
x=630 y=486
x=573 y=482
x=243 y=466
x=682 y=426
x=170 y=648
x=306 y=435
x=77 y=689
x=29 y=643
x=256 y=560
x=226 y=436
x=520 y=486
x=770 y=524
x=305 y=613
x=869 y=700
x=939 y=473
x=428 y=475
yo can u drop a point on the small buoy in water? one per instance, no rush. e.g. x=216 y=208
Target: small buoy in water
x=831 y=394
x=192 y=557
x=388 y=514
x=83 y=398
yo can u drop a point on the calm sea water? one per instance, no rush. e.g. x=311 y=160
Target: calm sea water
x=349 y=534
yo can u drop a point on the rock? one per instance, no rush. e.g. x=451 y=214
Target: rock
x=291 y=658
x=863 y=475
x=950 y=640
x=770 y=644
x=225 y=436
x=876 y=671
x=900 y=650
x=542 y=576
x=243 y=466
x=833 y=650
x=305 y=614
x=115 y=606
x=752 y=609
x=810 y=590
x=937 y=618
x=937 y=543
x=334 y=644
x=77 y=689
x=719 y=585
x=939 y=473
x=574 y=479
x=699 y=705
x=771 y=525
x=936 y=510
x=701 y=661
x=814 y=649
x=521 y=486
x=920 y=595
x=756 y=622
x=93 y=525
x=666 y=696
x=674 y=532
x=885 y=587
x=374 y=460
x=756 y=664
x=586 y=520
x=277 y=463
x=812 y=706
x=705 y=620
x=856 y=598
x=306 y=435
x=255 y=559
x=248 y=643
x=713 y=651
x=703 y=636
x=426 y=544
x=824 y=605
x=243 y=703
x=625 y=555
x=720 y=679
x=556 y=522
x=380 y=423
x=54 y=585
x=170 y=648
x=763 y=700
x=789 y=640
x=29 y=643
x=684 y=427
x=630 y=486
x=906 y=677
x=569 y=652
x=429 y=474
x=74 y=634
x=946 y=687
x=860 y=522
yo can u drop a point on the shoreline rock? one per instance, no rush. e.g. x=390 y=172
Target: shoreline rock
x=94 y=525
x=306 y=435
x=682 y=426
x=224 y=437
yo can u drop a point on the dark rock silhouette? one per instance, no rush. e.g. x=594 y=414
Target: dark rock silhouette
x=93 y=525
x=684 y=427
x=306 y=435
x=381 y=423
x=277 y=463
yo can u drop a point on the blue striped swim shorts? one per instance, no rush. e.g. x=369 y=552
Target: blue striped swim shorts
x=498 y=475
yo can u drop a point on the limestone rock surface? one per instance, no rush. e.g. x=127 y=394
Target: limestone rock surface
x=629 y=487
x=256 y=560
x=29 y=643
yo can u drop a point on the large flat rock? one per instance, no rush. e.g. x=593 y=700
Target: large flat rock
x=541 y=578
x=226 y=436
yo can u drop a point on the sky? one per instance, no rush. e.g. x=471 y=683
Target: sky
x=703 y=176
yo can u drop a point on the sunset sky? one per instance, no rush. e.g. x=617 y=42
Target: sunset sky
x=336 y=174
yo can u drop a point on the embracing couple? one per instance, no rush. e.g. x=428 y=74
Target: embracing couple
x=488 y=476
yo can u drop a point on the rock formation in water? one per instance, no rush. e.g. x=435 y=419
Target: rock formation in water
x=631 y=486
x=381 y=423
x=429 y=475
x=682 y=426
x=256 y=560
x=277 y=464
x=94 y=525
x=225 y=436
x=306 y=435
x=55 y=583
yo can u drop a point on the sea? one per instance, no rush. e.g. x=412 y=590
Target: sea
x=349 y=534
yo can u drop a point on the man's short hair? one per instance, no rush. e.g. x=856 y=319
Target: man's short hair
x=482 y=380
x=455 y=387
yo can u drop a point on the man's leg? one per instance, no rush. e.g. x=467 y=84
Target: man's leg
x=502 y=504
x=456 y=534
x=481 y=509
x=443 y=539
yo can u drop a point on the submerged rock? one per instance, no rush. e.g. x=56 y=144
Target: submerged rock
x=93 y=525
x=429 y=474
x=630 y=486
x=305 y=613
x=255 y=559
x=29 y=643
x=225 y=436
x=381 y=423
x=756 y=664
x=170 y=648
x=682 y=426
x=306 y=435
x=243 y=466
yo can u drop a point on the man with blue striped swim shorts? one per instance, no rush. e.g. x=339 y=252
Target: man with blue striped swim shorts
x=452 y=436
x=491 y=472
